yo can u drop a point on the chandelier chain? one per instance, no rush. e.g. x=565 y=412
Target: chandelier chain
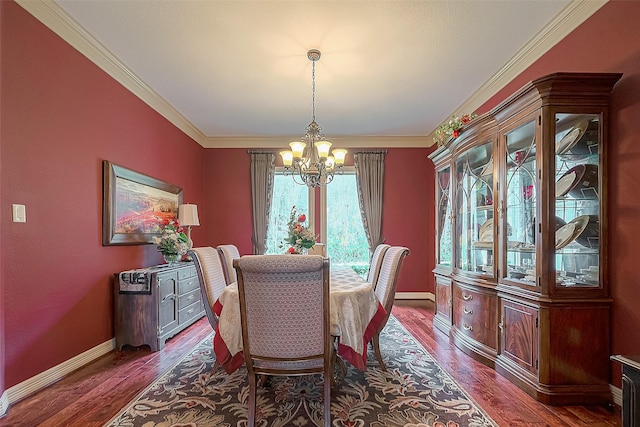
x=313 y=89
x=309 y=161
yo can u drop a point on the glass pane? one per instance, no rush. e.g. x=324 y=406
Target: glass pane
x=474 y=210
x=286 y=194
x=521 y=196
x=346 y=239
x=577 y=200
x=444 y=217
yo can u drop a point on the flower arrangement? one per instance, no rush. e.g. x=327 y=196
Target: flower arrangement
x=173 y=242
x=451 y=129
x=299 y=237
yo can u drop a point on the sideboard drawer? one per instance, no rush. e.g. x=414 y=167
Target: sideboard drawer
x=187 y=285
x=189 y=298
x=188 y=313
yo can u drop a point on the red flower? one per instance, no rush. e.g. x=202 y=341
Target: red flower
x=465 y=118
x=455 y=133
x=291 y=250
x=298 y=227
x=302 y=218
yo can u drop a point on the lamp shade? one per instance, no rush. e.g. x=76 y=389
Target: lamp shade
x=188 y=215
x=287 y=158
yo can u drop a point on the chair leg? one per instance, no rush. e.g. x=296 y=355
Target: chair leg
x=376 y=348
x=252 y=401
x=327 y=400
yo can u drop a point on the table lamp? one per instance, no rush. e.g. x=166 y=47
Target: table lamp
x=188 y=217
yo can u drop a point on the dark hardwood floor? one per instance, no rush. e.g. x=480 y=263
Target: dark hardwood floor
x=92 y=395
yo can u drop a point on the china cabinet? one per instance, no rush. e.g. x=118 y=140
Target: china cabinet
x=521 y=276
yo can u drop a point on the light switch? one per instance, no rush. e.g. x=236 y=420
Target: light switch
x=19 y=213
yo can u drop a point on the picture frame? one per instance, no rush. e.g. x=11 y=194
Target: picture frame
x=134 y=204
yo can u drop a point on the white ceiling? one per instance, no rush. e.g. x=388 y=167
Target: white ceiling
x=236 y=73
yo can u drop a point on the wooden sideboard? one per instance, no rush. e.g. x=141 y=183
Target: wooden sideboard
x=154 y=304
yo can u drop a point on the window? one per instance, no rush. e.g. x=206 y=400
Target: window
x=344 y=232
x=342 y=229
x=286 y=194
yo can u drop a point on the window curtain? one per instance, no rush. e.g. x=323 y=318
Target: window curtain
x=370 y=182
x=263 y=168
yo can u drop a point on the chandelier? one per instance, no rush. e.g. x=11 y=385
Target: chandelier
x=308 y=161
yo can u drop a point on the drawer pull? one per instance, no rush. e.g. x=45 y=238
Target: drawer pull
x=467 y=327
x=466 y=310
x=191 y=311
x=170 y=296
x=466 y=297
x=190 y=297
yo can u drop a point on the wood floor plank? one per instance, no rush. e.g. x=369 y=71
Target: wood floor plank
x=94 y=394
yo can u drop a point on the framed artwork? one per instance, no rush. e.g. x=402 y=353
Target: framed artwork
x=134 y=204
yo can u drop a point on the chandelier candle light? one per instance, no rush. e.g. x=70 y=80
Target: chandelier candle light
x=308 y=161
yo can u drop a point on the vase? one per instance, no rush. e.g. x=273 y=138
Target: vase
x=298 y=251
x=172 y=259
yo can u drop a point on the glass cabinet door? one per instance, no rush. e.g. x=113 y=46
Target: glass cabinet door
x=444 y=220
x=474 y=210
x=519 y=207
x=577 y=206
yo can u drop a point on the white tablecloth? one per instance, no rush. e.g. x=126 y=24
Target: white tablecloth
x=355 y=316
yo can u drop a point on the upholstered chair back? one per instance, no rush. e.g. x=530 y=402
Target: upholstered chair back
x=284 y=308
x=229 y=253
x=388 y=278
x=211 y=276
x=376 y=263
x=386 y=290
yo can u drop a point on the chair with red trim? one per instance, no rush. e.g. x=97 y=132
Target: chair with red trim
x=386 y=290
x=285 y=317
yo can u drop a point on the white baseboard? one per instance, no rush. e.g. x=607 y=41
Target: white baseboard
x=415 y=295
x=50 y=376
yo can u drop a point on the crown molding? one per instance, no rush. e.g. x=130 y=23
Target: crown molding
x=280 y=142
x=56 y=19
x=569 y=18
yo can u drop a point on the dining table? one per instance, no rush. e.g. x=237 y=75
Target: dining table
x=355 y=311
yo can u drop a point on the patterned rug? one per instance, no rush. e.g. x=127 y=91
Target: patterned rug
x=415 y=392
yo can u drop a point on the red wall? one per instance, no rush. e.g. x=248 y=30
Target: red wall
x=610 y=42
x=61 y=116
x=408 y=216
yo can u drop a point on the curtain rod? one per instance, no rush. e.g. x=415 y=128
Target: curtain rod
x=371 y=152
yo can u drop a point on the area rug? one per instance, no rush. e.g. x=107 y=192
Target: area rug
x=415 y=392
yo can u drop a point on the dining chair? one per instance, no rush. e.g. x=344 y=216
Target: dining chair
x=376 y=263
x=285 y=319
x=228 y=254
x=386 y=290
x=211 y=276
